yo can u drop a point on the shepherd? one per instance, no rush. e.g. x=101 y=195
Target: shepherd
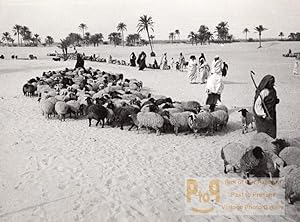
x=264 y=106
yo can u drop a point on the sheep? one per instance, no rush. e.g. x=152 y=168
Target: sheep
x=148 y=120
x=267 y=143
x=202 y=120
x=174 y=110
x=150 y=108
x=221 y=107
x=47 y=108
x=122 y=114
x=177 y=120
x=291 y=182
x=250 y=160
x=220 y=118
x=61 y=109
x=28 y=89
x=291 y=155
x=110 y=116
x=247 y=119
x=74 y=107
x=97 y=112
x=192 y=106
x=269 y=166
x=231 y=155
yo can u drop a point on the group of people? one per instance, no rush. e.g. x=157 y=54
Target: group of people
x=198 y=71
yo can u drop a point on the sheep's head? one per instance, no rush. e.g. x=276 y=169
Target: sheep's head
x=244 y=112
x=280 y=144
x=258 y=153
x=166 y=114
x=278 y=163
x=191 y=119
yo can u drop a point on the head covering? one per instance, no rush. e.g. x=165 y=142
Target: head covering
x=267 y=82
x=217 y=56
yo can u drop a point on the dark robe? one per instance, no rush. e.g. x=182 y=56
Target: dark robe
x=267 y=125
x=142 y=61
x=212 y=99
x=79 y=62
x=132 y=59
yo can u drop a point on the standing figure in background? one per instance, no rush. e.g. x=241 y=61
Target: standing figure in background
x=204 y=70
x=264 y=107
x=79 y=62
x=132 y=59
x=296 y=66
x=164 y=62
x=181 y=61
x=202 y=56
x=141 y=61
x=172 y=65
x=192 y=69
x=214 y=86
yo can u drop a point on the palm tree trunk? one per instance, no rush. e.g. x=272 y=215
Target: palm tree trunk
x=18 y=40
x=246 y=36
x=123 y=38
x=149 y=39
x=259 y=40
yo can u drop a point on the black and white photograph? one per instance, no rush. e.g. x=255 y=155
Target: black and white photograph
x=149 y=111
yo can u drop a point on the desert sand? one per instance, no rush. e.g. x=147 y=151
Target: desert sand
x=66 y=171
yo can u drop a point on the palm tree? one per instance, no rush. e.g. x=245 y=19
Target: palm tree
x=17 y=30
x=281 y=35
x=177 y=32
x=87 y=38
x=49 y=40
x=115 y=37
x=82 y=27
x=222 y=30
x=146 y=23
x=36 y=38
x=171 y=36
x=246 y=30
x=64 y=44
x=24 y=32
x=192 y=36
x=6 y=37
x=122 y=27
x=260 y=29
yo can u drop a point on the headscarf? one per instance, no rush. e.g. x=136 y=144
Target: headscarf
x=267 y=82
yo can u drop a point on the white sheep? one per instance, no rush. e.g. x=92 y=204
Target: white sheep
x=231 y=155
x=247 y=119
x=291 y=155
x=291 y=182
x=202 y=120
x=74 y=106
x=61 y=109
x=192 y=106
x=177 y=120
x=148 y=120
x=221 y=107
x=220 y=118
x=174 y=110
x=47 y=108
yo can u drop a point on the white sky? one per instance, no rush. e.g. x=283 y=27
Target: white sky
x=60 y=17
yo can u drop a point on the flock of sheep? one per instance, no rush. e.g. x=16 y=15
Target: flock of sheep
x=267 y=157
x=112 y=100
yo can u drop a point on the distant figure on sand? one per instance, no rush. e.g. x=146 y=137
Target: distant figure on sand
x=204 y=70
x=192 y=69
x=265 y=102
x=202 y=56
x=141 y=61
x=296 y=66
x=181 y=61
x=79 y=62
x=164 y=62
x=214 y=86
x=132 y=59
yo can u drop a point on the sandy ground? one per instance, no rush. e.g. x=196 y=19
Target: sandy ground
x=66 y=171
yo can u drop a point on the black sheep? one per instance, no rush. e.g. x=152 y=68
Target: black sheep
x=97 y=112
x=28 y=89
